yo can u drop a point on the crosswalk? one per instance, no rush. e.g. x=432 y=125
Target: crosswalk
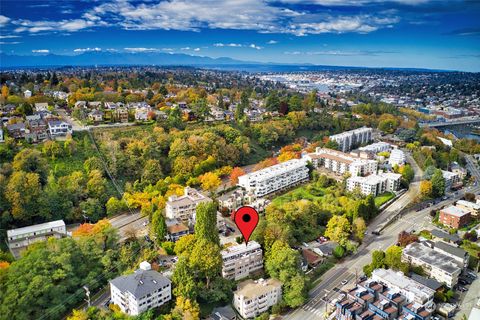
x=313 y=310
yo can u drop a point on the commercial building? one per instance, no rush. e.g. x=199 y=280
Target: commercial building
x=397 y=157
x=275 y=178
x=436 y=264
x=372 y=300
x=19 y=239
x=184 y=207
x=143 y=290
x=254 y=297
x=454 y=217
x=341 y=163
x=350 y=139
x=239 y=261
x=376 y=147
x=413 y=291
x=374 y=184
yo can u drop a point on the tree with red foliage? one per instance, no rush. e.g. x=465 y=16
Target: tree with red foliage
x=405 y=238
x=236 y=172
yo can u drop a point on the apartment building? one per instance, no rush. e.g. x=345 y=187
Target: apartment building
x=20 y=238
x=454 y=252
x=143 y=290
x=341 y=163
x=454 y=217
x=472 y=207
x=397 y=157
x=275 y=178
x=350 y=139
x=375 y=184
x=371 y=299
x=413 y=291
x=184 y=207
x=451 y=179
x=376 y=147
x=254 y=297
x=436 y=264
x=241 y=260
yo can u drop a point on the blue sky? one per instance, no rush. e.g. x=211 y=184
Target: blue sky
x=399 y=33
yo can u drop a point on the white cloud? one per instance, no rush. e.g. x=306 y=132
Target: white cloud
x=339 y=53
x=87 y=49
x=41 y=51
x=9 y=37
x=142 y=49
x=3 y=20
x=12 y=42
x=185 y=48
x=196 y=49
x=354 y=2
x=272 y=42
x=254 y=46
x=47 y=25
x=293 y=52
x=227 y=45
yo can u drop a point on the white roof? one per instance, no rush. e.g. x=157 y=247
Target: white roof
x=35 y=227
x=468 y=204
x=240 y=248
x=372 y=179
x=448 y=174
x=455 y=211
x=274 y=171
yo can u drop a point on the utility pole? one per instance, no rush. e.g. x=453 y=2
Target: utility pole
x=87 y=293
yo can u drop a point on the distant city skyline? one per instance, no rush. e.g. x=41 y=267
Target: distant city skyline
x=433 y=34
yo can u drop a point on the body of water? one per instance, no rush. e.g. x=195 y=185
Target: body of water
x=463 y=131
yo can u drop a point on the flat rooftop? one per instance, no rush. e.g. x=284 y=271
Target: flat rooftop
x=432 y=257
x=455 y=211
x=35 y=228
x=254 y=288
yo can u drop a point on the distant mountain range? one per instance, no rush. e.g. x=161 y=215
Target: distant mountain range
x=102 y=58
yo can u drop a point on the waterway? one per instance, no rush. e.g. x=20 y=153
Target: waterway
x=461 y=131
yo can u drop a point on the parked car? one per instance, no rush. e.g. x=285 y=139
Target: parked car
x=344 y=282
x=462 y=289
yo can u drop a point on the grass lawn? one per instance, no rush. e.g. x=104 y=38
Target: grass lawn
x=383 y=198
x=298 y=194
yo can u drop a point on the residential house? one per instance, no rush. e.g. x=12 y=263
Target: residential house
x=121 y=115
x=37 y=130
x=184 y=207
x=223 y=313
x=41 y=106
x=96 y=116
x=27 y=94
x=141 y=114
x=458 y=170
x=95 y=104
x=176 y=229
x=59 y=128
x=2 y=138
x=240 y=261
x=16 y=130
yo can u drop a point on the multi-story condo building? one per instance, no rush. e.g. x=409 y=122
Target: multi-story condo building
x=241 y=260
x=454 y=217
x=473 y=207
x=375 y=184
x=348 y=140
x=397 y=157
x=275 y=178
x=143 y=290
x=454 y=252
x=340 y=162
x=376 y=147
x=184 y=207
x=413 y=291
x=436 y=264
x=370 y=300
x=19 y=239
x=451 y=179
x=255 y=297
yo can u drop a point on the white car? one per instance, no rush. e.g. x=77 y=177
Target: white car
x=344 y=282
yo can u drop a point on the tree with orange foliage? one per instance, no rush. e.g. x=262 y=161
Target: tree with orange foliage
x=102 y=232
x=265 y=164
x=289 y=155
x=4 y=264
x=236 y=172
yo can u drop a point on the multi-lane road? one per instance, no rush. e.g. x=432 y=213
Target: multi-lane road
x=328 y=289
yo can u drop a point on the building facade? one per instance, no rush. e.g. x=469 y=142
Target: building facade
x=374 y=184
x=184 y=207
x=241 y=260
x=253 y=298
x=143 y=290
x=454 y=217
x=341 y=163
x=350 y=139
x=275 y=178
x=397 y=157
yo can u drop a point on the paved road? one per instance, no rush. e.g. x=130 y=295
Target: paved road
x=352 y=266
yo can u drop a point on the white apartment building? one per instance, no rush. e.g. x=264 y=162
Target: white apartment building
x=451 y=179
x=274 y=178
x=348 y=140
x=414 y=291
x=397 y=157
x=255 y=297
x=469 y=206
x=20 y=238
x=341 y=163
x=59 y=128
x=375 y=184
x=143 y=290
x=184 y=207
x=436 y=264
x=376 y=147
x=241 y=260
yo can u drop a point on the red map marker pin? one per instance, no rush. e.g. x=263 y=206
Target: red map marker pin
x=246 y=219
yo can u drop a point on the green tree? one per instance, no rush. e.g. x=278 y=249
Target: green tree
x=272 y=101
x=338 y=229
x=184 y=280
x=93 y=163
x=295 y=103
x=206 y=222
x=158 y=226
x=31 y=160
x=438 y=183
x=152 y=172
x=23 y=193
x=206 y=260
x=359 y=227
